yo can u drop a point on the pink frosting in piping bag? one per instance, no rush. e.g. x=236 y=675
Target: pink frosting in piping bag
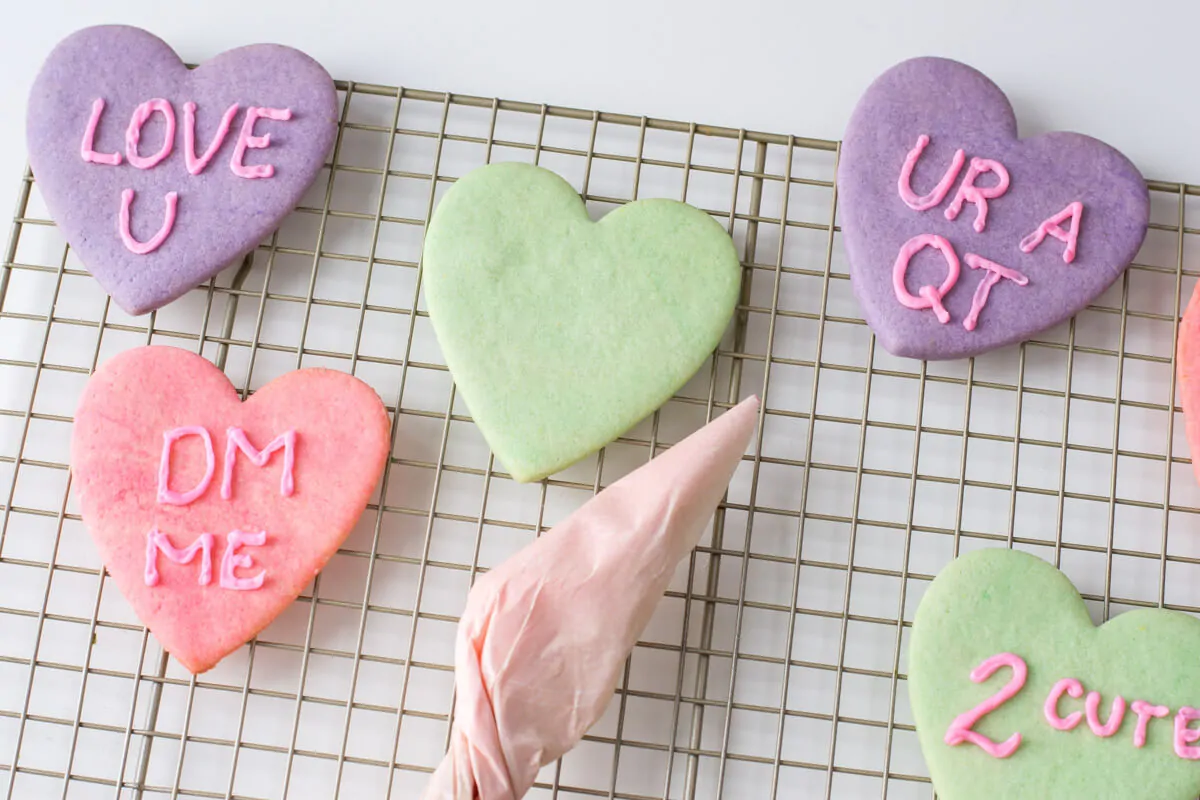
x=545 y=635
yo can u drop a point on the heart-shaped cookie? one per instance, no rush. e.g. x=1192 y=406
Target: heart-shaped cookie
x=160 y=176
x=212 y=514
x=1018 y=696
x=1188 y=362
x=562 y=333
x=963 y=237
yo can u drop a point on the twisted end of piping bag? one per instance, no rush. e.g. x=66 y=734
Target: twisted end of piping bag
x=545 y=635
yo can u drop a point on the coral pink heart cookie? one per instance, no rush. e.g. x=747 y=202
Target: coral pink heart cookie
x=1188 y=359
x=963 y=237
x=212 y=514
x=160 y=176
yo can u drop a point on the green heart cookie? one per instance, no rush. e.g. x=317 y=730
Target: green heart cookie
x=1002 y=601
x=562 y=333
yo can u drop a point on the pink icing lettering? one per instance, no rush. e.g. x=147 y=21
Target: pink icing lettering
x=995 y=273
x=1116 y=715
x=960 y=729
x=930 y=296
x=1184 y=735
x=196 y=164
x=938 y=192
x=157 y=542
x=1145 y=712
x=1052 y=227
x=1068 y=686
x=248 y=141
x=233 y=560
x=154 y=242
x=968 y=192
x=87 y=148
x=165 y=493
x=236 y=440
x=133 y=134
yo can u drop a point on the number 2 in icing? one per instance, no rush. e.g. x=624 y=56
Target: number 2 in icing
x=960 y=729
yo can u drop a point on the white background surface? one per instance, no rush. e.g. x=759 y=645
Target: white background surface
x=1123 y=72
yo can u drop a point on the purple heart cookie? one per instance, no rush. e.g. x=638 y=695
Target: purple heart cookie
x=160 y=176
x=962 y=237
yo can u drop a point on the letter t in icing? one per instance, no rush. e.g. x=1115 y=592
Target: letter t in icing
x=1144 y=713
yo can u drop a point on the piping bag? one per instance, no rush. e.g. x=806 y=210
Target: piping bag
x=545 y=635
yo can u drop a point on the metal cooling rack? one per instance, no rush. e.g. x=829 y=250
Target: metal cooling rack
x=774 y=667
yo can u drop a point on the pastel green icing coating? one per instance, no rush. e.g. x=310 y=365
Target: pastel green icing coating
x=997 y=600
x=562 y=333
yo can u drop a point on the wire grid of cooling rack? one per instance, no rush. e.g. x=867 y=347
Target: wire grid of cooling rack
x=773 y=668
